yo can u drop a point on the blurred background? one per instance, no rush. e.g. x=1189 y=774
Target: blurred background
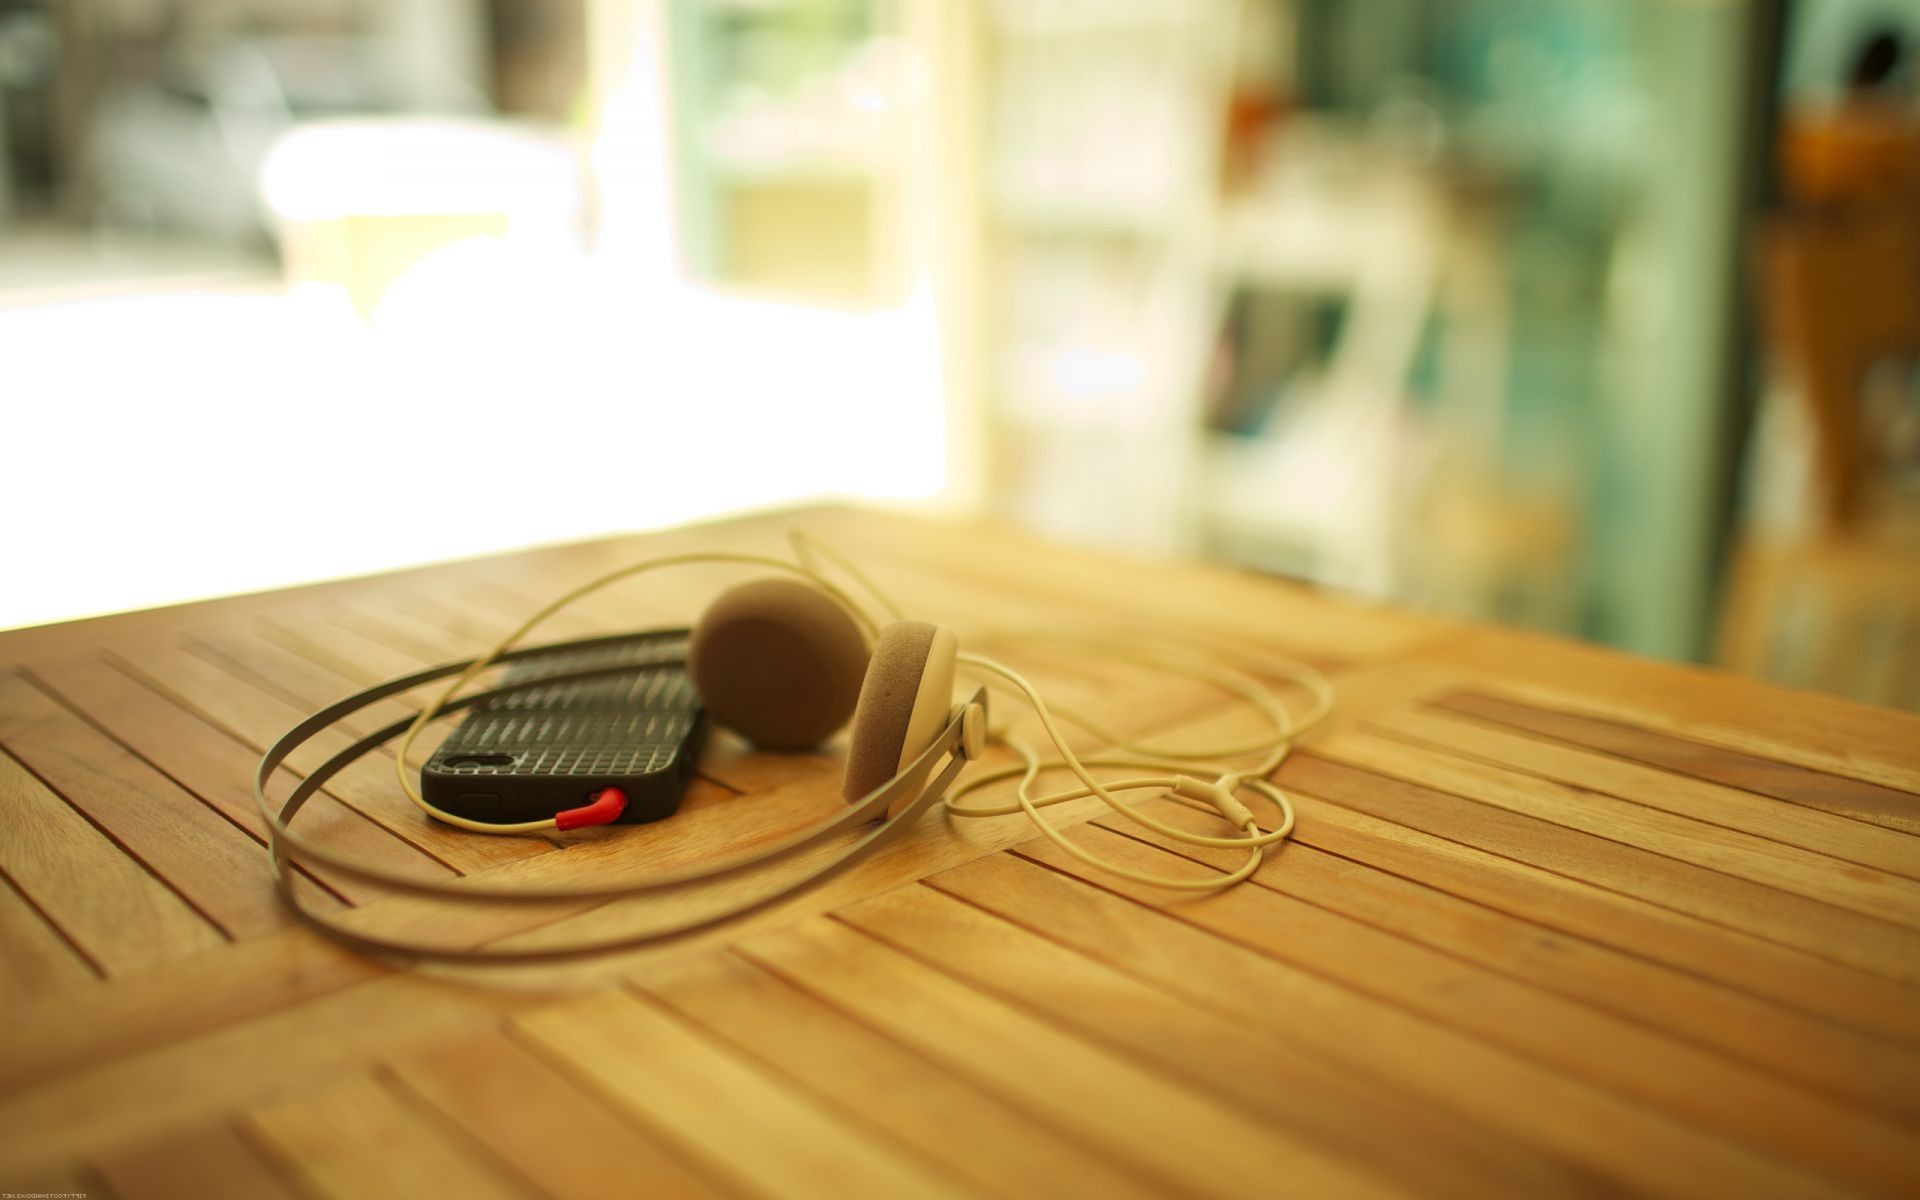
x=1595 y=316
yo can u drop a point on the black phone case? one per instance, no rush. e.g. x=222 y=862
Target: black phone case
x=531 y=754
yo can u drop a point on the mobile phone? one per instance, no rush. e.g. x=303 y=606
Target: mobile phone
x=531 y=754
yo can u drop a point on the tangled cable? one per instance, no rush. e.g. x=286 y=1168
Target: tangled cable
x=1216 y=794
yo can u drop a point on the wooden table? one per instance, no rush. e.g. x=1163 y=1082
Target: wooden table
x=1554 y=921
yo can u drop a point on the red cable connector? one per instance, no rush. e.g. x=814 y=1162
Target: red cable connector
x=607 y=806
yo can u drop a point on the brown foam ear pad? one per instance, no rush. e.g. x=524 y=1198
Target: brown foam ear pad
x=778 y=662
x=886 y=706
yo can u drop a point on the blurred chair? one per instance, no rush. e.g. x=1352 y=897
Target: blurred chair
x=1836 y=605
x=1832 y=612
x=1842 y=294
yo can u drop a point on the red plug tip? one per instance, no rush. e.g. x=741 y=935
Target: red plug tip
x=607 y=806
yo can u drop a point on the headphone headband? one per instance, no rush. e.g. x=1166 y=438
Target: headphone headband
x=287 y=847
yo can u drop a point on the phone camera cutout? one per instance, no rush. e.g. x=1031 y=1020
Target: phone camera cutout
x=480 y=760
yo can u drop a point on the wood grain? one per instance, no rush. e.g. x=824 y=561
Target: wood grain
x=1552 y=922
x=545 y=1128
x=218 y=768
x=40 y=961
x=743 y=1125
x=1285 y=1084
x=1492 y=735
x=357 y=1138
x=1840 y=795
x=103 y=901
x=847 y=1064
x=1185 y=949
x=1664 y=1073
x=211 y=861
x=193 y=1164
x=1872 y=1072
x=1187 y=1138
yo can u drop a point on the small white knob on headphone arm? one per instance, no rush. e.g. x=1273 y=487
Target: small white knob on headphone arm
x=973 y=731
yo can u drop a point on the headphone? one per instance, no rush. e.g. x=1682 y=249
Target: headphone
x=786 y=661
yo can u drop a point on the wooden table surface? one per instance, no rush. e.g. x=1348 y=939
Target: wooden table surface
x=1554 y=921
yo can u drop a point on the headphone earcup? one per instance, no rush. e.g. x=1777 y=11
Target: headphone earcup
x=907 y=697
x=777 y=662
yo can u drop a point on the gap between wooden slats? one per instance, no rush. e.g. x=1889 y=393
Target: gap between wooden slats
x=103 y=900
x=1262 y=990
x=291 y=678
x=1868 y=1071
x=1836 y=839
x=218 y=768
x=742 y=1125
x=563 y=1138
x=293 y=969
x=1587 y=885
x=1284 y=1084
x=193 y=1163
x=41 y=960
x=212 y=863
x=232 y=703
x=1825 y=734
x=1818 y=929
x=865 y=1076
x=1608 y=917
x=1571 y=1035
x=235 y=1054
x=360 y=1137
x=1864 y=891
x=1840 y=795
x=1186 y=1138
x=1264 y=612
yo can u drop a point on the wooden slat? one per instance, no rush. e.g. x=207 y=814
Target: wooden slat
x=103 y=901
x=270 y=974
x=218 y=767
x=1827 y=734
x=349 y=654
x=209 y=860
x=357 y=1140
x=1608 y=917
x=1188 y=1140
x=68 y=1032
x=1370 y=1127
x=1264 y=612
x=39 y=961
x=1509 y=745
x=74 y=1179
x=743 y=1125
x=291 y=678
x=144 y=1090
x=1176 y=949
x=1664 y=1072
x=193 y=1164
x=1822 y=791
x=263 y=655
x=404 y=633
x=549 y=1130
x=258 y=719
x=1876 y=1074
x=1734 y=852
x=1818 y=929
x=822 y=1050
x=458 y=610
